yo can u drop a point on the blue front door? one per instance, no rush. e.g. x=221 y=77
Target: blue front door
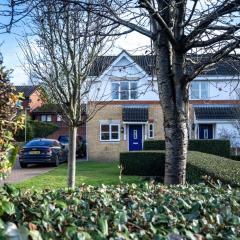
x=135 y=137
x=205 y=131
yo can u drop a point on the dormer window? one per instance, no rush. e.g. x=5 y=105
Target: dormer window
x=124 y=90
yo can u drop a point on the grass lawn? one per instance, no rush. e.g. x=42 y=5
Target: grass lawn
x=91 y=173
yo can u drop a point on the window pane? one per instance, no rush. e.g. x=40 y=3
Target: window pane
x=114 y=128
x=43 y=118
x=195 y=90
x=105 y=128
x=114 y=135
x=124 y=95
x=49 y=118
x=115 y=90
x=133 y=94
x=105 y=136
x=204 y=90
x=133 y=85
x=124 y=86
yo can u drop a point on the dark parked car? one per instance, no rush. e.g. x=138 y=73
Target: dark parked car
x=81 y=144
x=42 y=151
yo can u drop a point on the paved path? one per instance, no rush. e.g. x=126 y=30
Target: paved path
x=19 y=174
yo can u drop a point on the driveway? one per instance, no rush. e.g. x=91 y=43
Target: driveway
x=19 y=174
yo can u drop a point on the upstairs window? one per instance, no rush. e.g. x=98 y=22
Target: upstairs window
x=199 y=90
x=46 y=118
x=124 y=90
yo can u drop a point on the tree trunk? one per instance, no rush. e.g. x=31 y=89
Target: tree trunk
x=72 y=156
x=176 y=140
x=173 y=93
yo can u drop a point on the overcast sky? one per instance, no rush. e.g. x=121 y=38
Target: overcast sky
x=12 y=54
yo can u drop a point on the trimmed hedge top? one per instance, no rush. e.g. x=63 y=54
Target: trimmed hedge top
x=128 y=212
x=152 y=163
x=213 y=146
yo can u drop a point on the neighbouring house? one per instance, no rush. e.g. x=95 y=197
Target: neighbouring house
x=133 y=113
x=51 y=113
x=32 y=96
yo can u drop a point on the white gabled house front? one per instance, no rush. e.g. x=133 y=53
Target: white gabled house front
x=130 y=110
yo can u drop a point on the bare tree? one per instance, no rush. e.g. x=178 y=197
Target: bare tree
x=60 y=53
x=188 y=37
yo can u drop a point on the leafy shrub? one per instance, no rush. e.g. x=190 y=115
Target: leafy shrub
x=42 y=129
x=10 y=121
x=151 y=163
x=147 y=211
x=144 y=163
x=36 y=129
x=218 y=147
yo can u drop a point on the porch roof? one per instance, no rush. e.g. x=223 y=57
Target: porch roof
x=135 y=114
x=217 y=112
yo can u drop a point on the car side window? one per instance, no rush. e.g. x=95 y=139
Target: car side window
x=56 y=144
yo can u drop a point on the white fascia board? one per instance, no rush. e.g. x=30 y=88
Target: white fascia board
x=216 y=77
x=214 y=121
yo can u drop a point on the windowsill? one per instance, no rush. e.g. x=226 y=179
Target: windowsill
x=110 y=141
x=125 y=99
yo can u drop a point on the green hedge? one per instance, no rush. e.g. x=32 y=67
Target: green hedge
x=235 y=157
x=151 y=163
x=147 y=211
x=36 y=129
x=144 y=163
x=214 y=146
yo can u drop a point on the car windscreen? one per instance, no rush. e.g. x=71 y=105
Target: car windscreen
x=39 y=143
x=63 y=139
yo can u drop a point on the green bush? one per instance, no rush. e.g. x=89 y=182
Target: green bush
x=201 y=164
x=144 y=163
x=152 y=163
x=36 y=129
x=154 y=145
x=235 y=157
x=43 y=129
x=145 y=211
x=213 y=146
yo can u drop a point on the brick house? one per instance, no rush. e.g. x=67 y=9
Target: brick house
x=51 y=113
x=32 y=96
x=133 y=113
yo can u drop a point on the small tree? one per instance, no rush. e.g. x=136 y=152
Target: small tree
x=66 y=43
x=9 y=122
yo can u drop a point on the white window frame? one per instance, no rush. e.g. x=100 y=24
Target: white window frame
x=200 y=90
x=149 y=130
x=110 y=132
x=129 y=90
x=46 y=118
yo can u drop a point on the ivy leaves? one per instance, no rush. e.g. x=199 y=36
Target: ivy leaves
x=148 y=211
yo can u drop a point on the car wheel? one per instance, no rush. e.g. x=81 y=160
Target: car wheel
x=23 y=165
x=56 y=161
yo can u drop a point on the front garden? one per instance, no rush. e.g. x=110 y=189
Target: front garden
x=109 y=205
